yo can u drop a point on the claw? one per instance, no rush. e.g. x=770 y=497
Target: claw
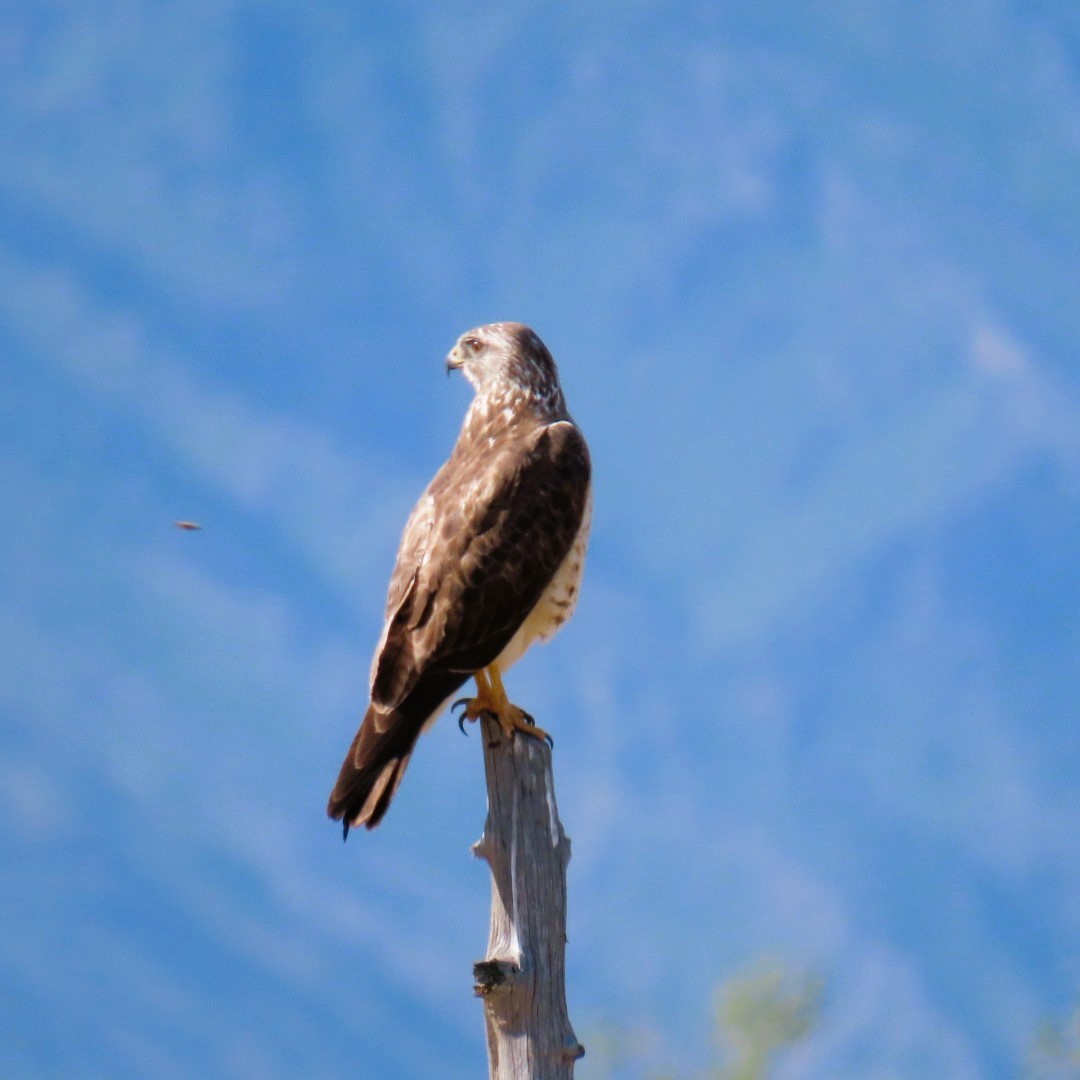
x=466 y=704
x=472 y=710
x=536 y=732
x=546 y=737
x=463 y=704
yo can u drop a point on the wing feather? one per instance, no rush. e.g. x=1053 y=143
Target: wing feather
x=478 y=552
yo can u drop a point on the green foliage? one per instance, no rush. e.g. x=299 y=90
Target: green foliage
x=761 y=1013
x=1055 y=1050
x=768 y=1010
x=758 y=1015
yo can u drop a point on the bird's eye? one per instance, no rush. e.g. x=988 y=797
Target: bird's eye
x=473 y=344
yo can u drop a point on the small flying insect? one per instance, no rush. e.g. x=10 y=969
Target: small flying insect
x=187 y=526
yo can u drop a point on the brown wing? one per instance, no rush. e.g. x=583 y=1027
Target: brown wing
x=478 y=550
x=502 y=519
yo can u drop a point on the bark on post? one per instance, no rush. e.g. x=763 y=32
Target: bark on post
x=522 y=980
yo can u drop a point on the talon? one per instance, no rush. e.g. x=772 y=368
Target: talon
x=531 y=727
x=538 y=733
x=492 y=704
x=461 y=724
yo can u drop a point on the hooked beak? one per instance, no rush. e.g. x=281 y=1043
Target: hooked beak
x=454 y=360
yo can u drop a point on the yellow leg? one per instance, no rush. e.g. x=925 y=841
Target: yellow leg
x=483 y=686
x=491 y=698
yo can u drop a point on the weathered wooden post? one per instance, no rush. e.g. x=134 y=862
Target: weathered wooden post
x=522 y=980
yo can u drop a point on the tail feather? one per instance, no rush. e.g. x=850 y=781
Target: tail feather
x=380 y=752
x=371 y=773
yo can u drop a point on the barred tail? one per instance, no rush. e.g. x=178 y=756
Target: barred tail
x=380 y=753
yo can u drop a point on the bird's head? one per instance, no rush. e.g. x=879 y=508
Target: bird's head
x=507 y=356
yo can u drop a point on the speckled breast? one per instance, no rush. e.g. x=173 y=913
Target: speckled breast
x=558 y=601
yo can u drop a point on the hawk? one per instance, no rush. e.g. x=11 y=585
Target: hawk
x=489 y=563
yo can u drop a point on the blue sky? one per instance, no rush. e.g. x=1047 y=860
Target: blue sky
x=811 y=277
